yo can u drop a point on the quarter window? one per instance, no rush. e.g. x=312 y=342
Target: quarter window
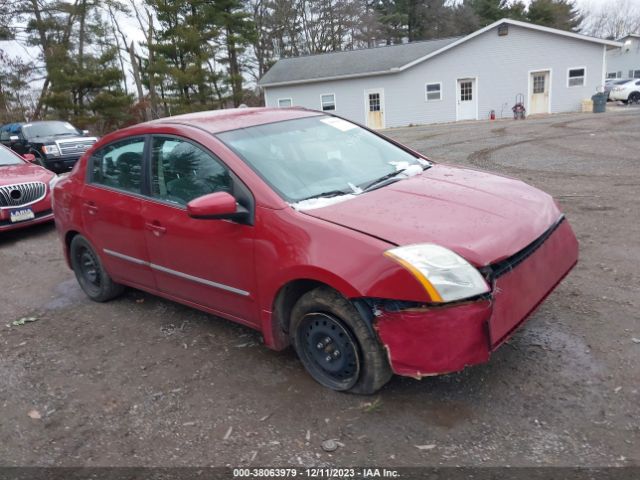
x=433 y=91
x=576 y=77
x=328 y=102
x=284 y=102
x=119 y=165
x=182 y=171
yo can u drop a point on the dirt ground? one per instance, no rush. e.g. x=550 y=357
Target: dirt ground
x=141 y=381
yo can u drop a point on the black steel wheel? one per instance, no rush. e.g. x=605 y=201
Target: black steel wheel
x=92 y=277
x=336 y=345
x=328 y=350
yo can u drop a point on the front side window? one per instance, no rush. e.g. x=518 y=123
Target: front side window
x=576 y=77
x=119 y=165
x=433 y=91
x=7 y=157
x=182 y=171
x=318 y=155
x=284 y=103
x=328 y=102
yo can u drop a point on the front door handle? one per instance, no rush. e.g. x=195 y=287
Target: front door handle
x=156 y=228
x=91 y=207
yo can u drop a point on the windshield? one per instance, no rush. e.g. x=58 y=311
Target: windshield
x=49 y=129
x=8 y=158
x=318 y=156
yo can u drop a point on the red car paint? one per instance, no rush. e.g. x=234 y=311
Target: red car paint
x=25 y=172
x=484 y=218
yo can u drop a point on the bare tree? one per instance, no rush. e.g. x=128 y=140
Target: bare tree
x=613 y=20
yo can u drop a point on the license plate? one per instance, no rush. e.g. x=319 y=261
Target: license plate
x=21 y=215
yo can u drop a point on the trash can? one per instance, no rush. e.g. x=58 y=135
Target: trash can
x=599 y=102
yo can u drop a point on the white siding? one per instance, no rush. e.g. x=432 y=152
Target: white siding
x=625 y=58
x=500 y=64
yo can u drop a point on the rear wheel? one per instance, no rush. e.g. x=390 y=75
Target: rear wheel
x=634 y=97
x=335 y=345
x=91 y=275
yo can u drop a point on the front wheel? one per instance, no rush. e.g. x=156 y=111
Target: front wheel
x=335 y=345
x=634 y=97
x=91 y=275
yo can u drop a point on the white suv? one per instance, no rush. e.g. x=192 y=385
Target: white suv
x=628 y=91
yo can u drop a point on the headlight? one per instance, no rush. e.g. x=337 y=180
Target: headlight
x=445 y=275
x=53 y=181
x=51 y=150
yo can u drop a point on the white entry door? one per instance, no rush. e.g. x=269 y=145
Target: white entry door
x=374 y=107
x=467 y=99
x=539 y=94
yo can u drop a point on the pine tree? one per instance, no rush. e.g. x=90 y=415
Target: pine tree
x=561 y=14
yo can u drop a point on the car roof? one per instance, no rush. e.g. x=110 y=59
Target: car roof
x=216 y=121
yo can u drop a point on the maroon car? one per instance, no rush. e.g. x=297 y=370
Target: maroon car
x=363 y=254
x=25 y=191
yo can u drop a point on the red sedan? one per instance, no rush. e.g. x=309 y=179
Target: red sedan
x=364 y=255
x=25 y=191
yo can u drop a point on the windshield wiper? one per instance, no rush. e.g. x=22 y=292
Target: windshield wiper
x=378 y=181
x=330 y=193
x=62 y=134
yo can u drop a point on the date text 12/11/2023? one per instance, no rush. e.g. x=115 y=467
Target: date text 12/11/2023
x=315 y=472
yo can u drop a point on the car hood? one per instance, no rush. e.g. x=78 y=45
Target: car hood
x=22 y=173
x=483 y=217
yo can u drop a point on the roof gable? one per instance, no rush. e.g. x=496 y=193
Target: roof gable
x=384 y=60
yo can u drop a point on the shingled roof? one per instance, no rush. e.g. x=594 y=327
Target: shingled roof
x=384 y=60
x=369 y=61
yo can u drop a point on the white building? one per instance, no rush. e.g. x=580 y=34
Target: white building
x=624 y=62
x=448 y=79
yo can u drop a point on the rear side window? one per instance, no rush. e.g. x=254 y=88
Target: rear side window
x=119 y=165
x=182 y=171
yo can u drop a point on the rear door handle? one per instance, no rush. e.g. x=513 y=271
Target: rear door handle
x=156 y=228
x=91 y=207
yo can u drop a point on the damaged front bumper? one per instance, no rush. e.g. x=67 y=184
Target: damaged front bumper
x=432 y=340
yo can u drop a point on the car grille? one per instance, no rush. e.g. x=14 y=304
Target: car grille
x=75 y=147
x=21 y=194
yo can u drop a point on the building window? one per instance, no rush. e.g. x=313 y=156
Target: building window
x=328 y=102
x=614 y=74
x=538 y=82
x=374 y=102
x=634 y=73
x=466 y=91
x=433 y=92
x=284 y=102
x=576 y=77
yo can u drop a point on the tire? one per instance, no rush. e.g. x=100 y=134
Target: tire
x=634 y=97
x=91 y=275
x=335 y=345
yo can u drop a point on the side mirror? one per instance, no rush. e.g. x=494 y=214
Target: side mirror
x=217 y=205
x=14 y=138
x=85 y=132
x=29 y=157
